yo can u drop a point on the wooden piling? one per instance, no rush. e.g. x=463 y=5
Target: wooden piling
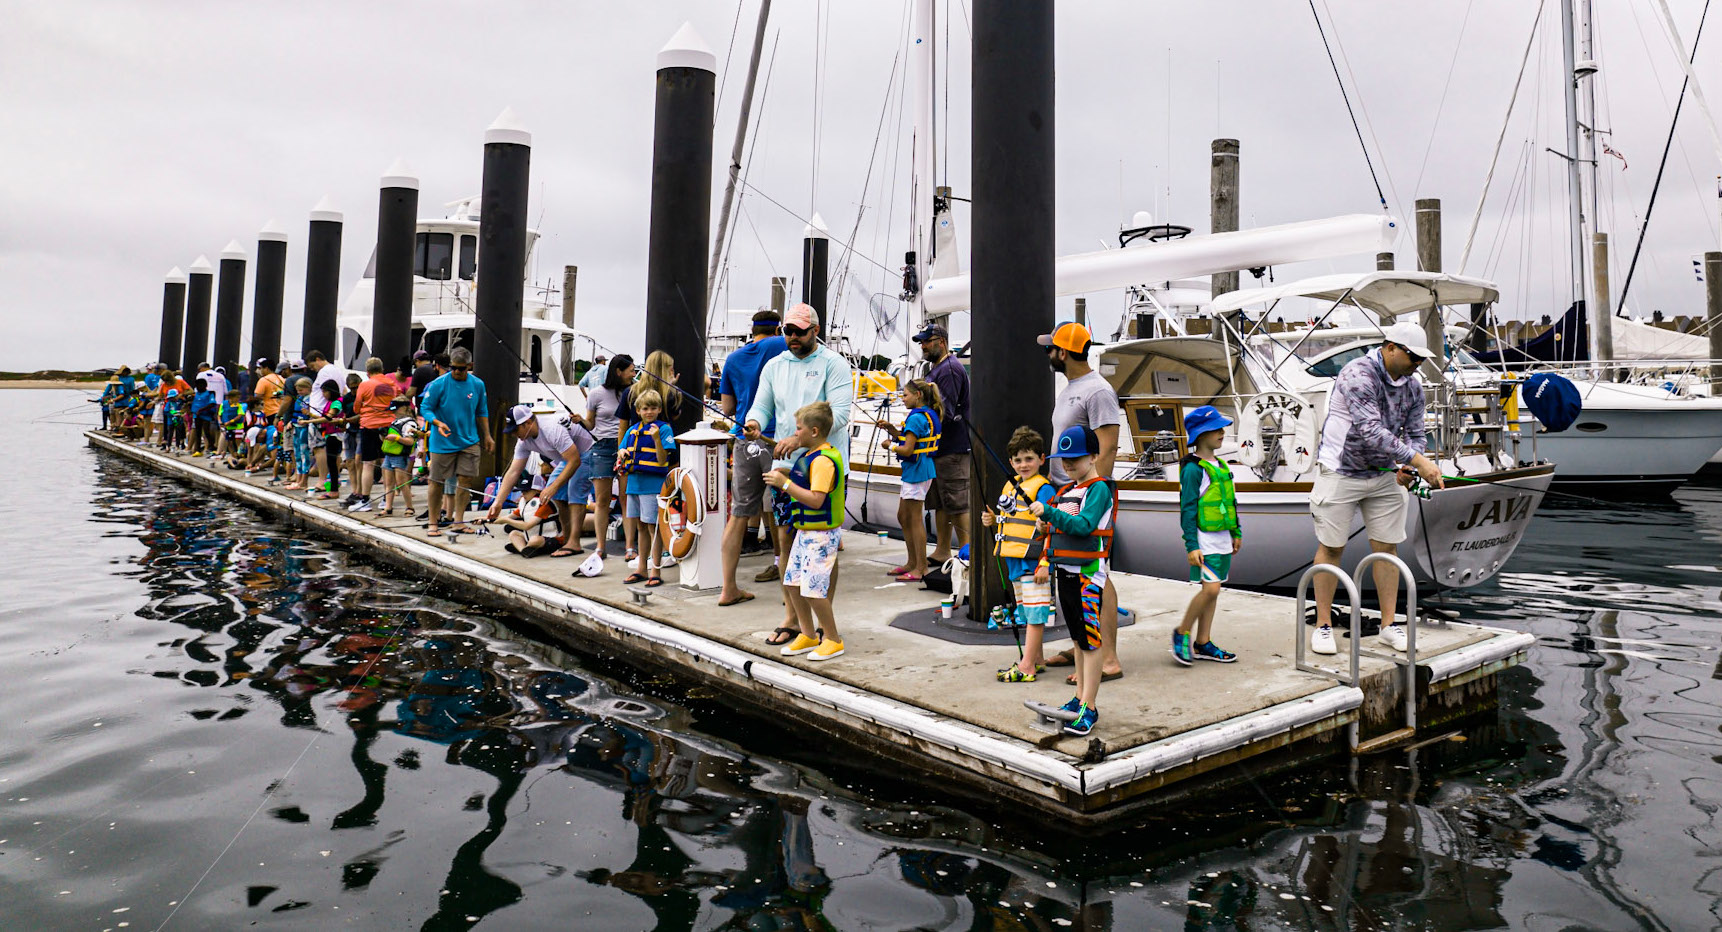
x=1429 y=260
x=1602 y=322
x=1713 y=312
x=1223 y=203
x=570 y=277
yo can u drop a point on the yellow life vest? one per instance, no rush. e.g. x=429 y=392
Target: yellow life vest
x=1016 y=528
x=928 y=445
x=1217 y=509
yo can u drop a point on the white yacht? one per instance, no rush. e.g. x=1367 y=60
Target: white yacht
x=1459 y=537
x=445 y=266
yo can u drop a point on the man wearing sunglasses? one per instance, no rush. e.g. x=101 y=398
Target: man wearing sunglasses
x=454 y=413
x=737 y=385
x=808 y=372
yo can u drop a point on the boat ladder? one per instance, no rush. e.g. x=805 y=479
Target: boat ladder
x=1349 y=676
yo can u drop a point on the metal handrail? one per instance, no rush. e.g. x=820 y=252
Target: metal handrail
x=1409 y=613
x=1356 y=621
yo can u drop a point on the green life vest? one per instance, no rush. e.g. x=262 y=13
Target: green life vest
x=828 y=515
x=1217 y=509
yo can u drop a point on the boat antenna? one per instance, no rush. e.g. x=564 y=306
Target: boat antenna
x=1379 y=196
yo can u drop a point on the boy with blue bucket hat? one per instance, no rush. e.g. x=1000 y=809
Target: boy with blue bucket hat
x=1208 y=514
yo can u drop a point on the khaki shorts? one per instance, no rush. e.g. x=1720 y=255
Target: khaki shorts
x=1335 y=500
x=445 y=467
x=950 y=492
x=747 y=490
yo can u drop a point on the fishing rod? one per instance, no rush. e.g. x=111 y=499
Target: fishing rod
x=1423 y=490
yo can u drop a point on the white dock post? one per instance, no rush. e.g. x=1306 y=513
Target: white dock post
x=705 y=455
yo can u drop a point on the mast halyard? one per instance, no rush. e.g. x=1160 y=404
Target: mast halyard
x=1575 y=187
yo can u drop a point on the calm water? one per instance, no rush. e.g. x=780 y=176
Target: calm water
x=209 y=723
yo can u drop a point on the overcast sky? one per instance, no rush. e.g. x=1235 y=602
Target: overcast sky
x=140 y=135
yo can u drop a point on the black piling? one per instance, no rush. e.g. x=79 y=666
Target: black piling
x=1012 y=246
x=397 y=237
x=681 y=209
x=322 y=280
x=229 y=308
x=266 y=295
x=816 y=266
x=172 y=318
x=198 y=290
x=496 y=353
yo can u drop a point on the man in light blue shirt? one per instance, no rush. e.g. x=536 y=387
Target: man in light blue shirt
x=453 y=407
x=808 y=372
x=594 y=376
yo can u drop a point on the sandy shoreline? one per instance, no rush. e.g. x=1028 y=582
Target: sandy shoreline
x=51 y=383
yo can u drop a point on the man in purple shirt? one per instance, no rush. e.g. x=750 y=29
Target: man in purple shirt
x=950 y=493
x=1371 y=441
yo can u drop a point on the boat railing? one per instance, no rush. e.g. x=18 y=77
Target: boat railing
x=1680 y=374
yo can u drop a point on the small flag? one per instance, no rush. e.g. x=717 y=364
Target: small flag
x=1610 y=150
x=1698 y=268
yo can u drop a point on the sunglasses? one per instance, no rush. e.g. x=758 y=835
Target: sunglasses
x=796 y=331
x=460 y=368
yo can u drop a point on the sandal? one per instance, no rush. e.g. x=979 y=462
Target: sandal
x=654 y=582
x=896 y=571
x=631 y=556
x=782 y=636
x=744 y=597
x=633 y=578
x=1104 y=677
x=567 y=552
x=1061 y=659
x=908 y=577
x=1014 y=674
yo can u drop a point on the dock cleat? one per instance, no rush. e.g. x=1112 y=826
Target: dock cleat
x=1086 y=716
x=1321 y=641
x=1212 y=651
x=1394 y=636
x=1181 y=648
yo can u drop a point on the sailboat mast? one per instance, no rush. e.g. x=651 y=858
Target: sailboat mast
x=1575 y=188
x=921 y=59
x=1601 y=315
x=722 y=240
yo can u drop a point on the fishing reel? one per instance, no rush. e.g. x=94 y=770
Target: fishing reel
x=1420 y=488
x=1000 y=617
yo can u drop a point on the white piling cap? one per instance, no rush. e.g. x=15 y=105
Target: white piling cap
x=1141 y=219
x=816 y=229
x=202 y=266
x=325 y=210
x=233 y=251
x=400 y=176
x=507 y=129
x=175 y=276
x=687 y=50
x=272 y=233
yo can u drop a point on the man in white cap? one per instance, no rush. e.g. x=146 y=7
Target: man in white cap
x=1372 y=440
x=561 y=441
x=808 y=372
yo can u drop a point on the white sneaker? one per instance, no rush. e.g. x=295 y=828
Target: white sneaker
x=1321 y=641
x=1393 y=636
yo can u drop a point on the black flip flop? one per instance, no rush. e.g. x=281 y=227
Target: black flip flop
x=773 y=639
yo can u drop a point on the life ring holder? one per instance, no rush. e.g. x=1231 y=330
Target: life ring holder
x=1293 y=415
x=680 y=511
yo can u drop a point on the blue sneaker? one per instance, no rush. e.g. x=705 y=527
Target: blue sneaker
x=1212 y=651
x=1086 y=716
x=1074 y=705
x=1181 y=648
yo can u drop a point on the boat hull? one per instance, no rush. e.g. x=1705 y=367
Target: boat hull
x=1458 y=538
x=1635 y=450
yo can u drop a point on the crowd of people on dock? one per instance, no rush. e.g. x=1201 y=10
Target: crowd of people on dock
x=789 y=401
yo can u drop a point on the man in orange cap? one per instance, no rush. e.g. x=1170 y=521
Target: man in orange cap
x=1087 y=400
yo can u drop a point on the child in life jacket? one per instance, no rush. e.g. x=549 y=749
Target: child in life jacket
x=1079 y=547
x=815 y=487
x=232 y=421
x=1021 y=544
x=400 y=438
x=645 y=454
x=914 y=444
x=1208 y=513
x=173 y=411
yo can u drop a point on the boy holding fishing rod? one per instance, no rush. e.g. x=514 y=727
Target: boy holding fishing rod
x=1021 y=544
x=1208 y=515
x=815 y=487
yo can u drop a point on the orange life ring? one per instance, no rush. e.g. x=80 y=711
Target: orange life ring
x=680 y=511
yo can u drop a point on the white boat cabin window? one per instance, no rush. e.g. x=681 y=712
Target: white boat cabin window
x=1328 y=368
x=468 y=257
x=435 y=256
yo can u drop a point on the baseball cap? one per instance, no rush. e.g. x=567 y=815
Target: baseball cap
x=1410 y=336
x=296 y=364
x=515 y=416
x=802 y=315
x=1074 y=442
x=420 y=355
x=1072 y=337
x=930 y=331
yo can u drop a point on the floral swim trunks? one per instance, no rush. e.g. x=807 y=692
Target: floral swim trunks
x=812 y=560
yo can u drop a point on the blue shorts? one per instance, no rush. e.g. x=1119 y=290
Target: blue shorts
x=602 y=459
x=579 y=488
x=566 y=493
x=397 y=461
x=644 y=507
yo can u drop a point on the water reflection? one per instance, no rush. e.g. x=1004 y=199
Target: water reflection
x=459 y=773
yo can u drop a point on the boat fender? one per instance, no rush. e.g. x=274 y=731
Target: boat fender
x=1553 y=400
x=1294 y=416
x=681 y=511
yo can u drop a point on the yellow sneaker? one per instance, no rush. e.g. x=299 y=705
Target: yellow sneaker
x=826 y=650
x=801 y=645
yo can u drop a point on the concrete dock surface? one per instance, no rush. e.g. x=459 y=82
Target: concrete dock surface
x=935 y=701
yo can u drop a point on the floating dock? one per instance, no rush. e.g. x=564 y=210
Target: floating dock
x=910 y=700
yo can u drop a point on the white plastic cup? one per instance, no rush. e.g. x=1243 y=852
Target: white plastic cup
x=945 y=606
x=884 y=537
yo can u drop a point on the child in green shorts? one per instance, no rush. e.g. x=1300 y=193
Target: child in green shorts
x=1208 y=513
